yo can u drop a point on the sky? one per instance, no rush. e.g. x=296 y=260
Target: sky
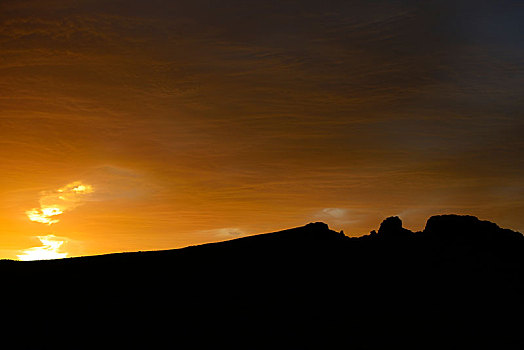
x=163 y=124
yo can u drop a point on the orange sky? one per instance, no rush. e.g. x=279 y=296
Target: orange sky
x=196 y=121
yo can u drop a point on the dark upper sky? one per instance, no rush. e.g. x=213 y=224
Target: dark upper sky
x=196 y=121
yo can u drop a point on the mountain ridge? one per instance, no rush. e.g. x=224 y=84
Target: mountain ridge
x=458 y=283
x=390 y=228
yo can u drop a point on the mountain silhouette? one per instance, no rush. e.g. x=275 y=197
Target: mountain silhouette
x=456 y=284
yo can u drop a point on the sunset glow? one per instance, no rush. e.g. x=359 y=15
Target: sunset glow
x=170 y=122
x=49 y=250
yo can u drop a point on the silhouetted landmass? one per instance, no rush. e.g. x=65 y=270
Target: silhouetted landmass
x=456 y=285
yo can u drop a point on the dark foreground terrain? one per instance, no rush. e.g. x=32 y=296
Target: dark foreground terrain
x=456 y=285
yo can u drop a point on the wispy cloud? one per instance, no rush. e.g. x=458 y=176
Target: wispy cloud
x=338 y=216
x=337 y=213
x=224 y=233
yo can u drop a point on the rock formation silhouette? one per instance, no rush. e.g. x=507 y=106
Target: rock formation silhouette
x=456 y=284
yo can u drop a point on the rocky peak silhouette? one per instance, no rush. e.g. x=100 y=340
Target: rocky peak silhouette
x=449 y=228
x=391 y=229
x=467 y=228
x=321 y=226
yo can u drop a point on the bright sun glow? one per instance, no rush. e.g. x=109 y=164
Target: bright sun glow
x=52 y=204
x=49 y=250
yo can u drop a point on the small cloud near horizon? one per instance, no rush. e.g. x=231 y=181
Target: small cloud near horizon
x=336 y=215
x=224 y=233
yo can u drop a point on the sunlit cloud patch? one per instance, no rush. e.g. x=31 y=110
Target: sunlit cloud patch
x=54 y=203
